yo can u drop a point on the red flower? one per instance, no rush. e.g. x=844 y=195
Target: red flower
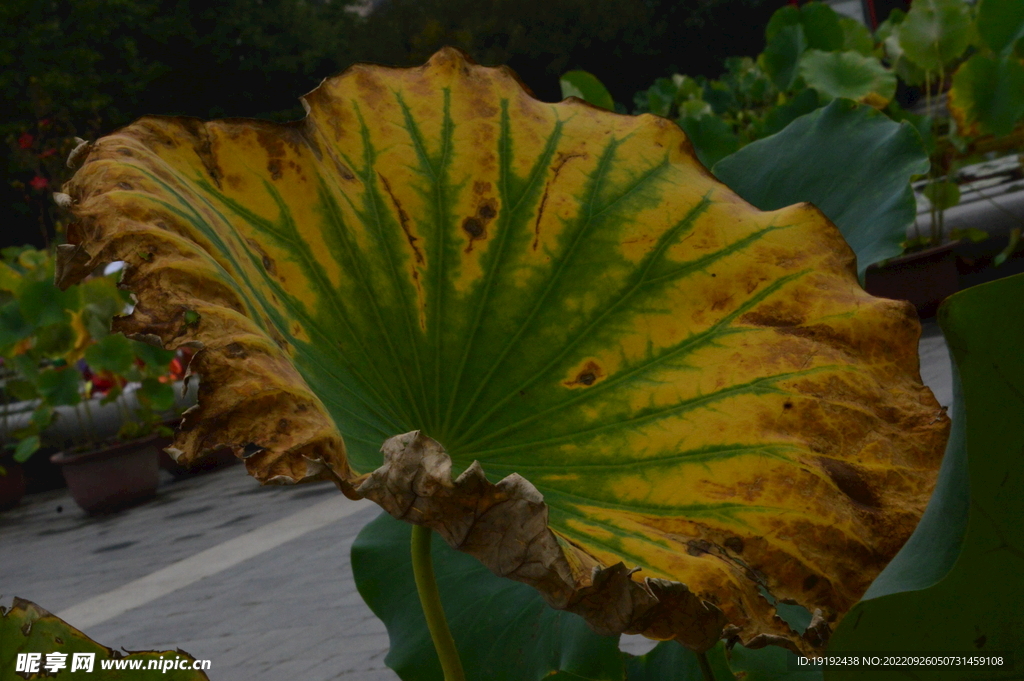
x=39 y=183
x=25 y=141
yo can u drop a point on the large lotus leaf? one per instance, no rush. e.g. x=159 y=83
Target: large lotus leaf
x=935 y=32
x=27 y=628
x=683 y=383
x=988 y=95
x=972 y=604
x=1001 y=24
x=850 y=75
x=851 y=161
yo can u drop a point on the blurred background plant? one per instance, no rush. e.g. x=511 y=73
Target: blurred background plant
x=60 y=358
x=958 y=64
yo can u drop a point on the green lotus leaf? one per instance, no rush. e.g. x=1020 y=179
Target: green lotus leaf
x=583 y=354
x=853 y=162
x=27 y=628
x=987 y=96
x=821 y=25
x=1001 y=24
x=935 y=32
x=781 y=57
x=952 y=587
x=856 y=36
x=848 y=74
x=712 y=138
x=587 y=87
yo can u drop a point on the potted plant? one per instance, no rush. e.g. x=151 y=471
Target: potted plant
x=103 y=398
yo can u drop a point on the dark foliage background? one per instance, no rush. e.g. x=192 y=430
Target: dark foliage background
x=86 y=67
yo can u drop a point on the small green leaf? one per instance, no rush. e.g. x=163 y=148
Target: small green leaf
x=60 y=386
x=20 y=389
x=1001 y=24
x=191 y=317
x=154 y=357
x=852 y=162
x=26 y=448
x=587 y=87
x=42 y=303
x=13 y=326
x=943 y=194
x=988 y=95
x=856 y=36
x=55 y=339
x=848 y=74
x=113 y=353
x=156 y=395
x=935 y=32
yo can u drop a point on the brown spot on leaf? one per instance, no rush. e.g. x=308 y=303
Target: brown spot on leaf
x=476 y=225
x=282 y=425
x=202 y=146
x=775 y=316
x=588 y=375
x=235 y=350
x=698 y=547
x=810 y=582
x=268 y=262
x=556 y=168
x=481 y=188
x=850 y=481
x=403 y=219
x=124 y=185
x=734 y=544
x=274 y=168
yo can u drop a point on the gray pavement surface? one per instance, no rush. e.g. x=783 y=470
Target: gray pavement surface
x=291 y=610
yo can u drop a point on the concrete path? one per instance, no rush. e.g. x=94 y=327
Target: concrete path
x=255 y=579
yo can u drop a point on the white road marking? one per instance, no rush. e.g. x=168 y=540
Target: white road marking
x=209 y=562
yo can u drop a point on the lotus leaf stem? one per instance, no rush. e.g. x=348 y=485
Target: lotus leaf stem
x=705 y=667
x=430 y=599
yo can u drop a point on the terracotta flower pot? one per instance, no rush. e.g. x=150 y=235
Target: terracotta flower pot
x=12 y=485
x=113 y=477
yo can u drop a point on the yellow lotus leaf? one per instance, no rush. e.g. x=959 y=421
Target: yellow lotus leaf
x=597 y=369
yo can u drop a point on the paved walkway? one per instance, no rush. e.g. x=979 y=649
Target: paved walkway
x=255 y=579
